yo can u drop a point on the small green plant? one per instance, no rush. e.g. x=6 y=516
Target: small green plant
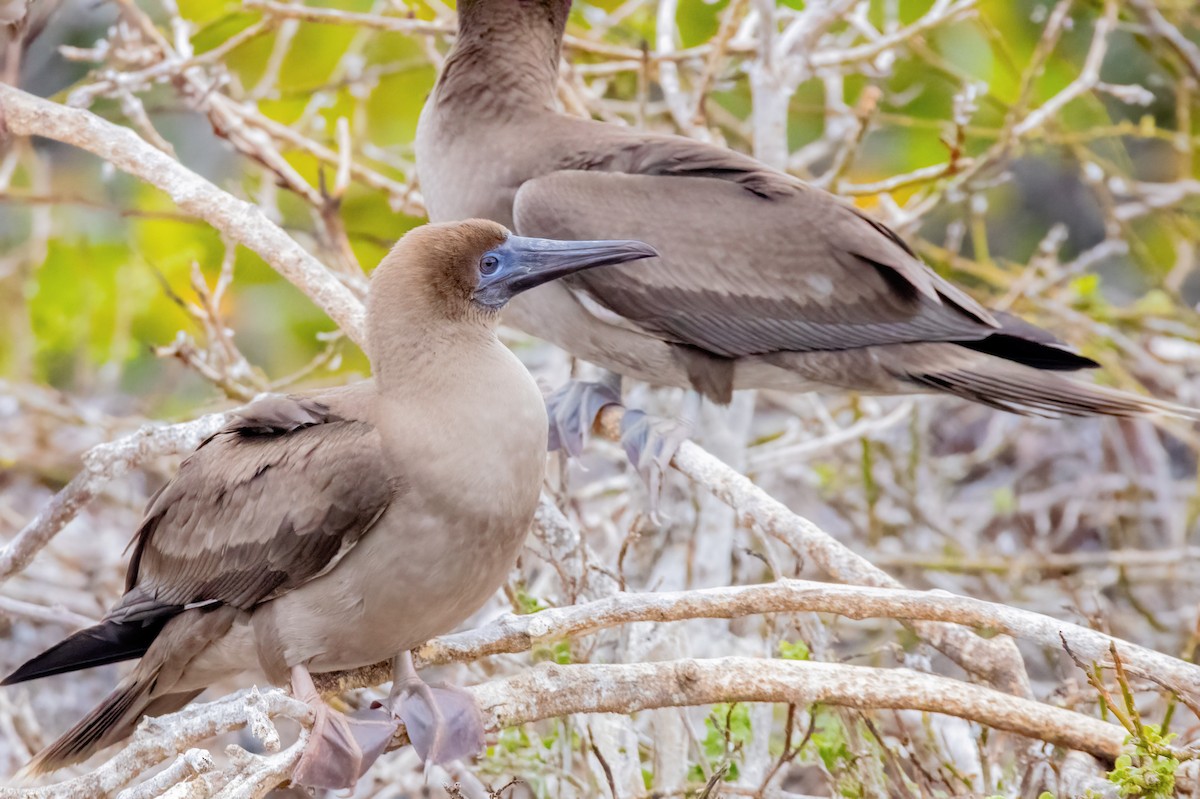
x=559 y=652
x=1148 y=770
x=728 y=731
x=1147 y=767
x=524 y=602
x=1004 y=502
x=831 y=740
x=1089 y=298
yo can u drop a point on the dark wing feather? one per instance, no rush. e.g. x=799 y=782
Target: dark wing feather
x=271 y=501
x=756 y=261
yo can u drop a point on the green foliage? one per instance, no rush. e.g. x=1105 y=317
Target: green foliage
x=524 y=602
x=1154 y=303
x=93 y=303
x=1004 y=500
x=831 y=740
x=511 y=740
x=1088 y=296
x=794 y=651
x=521 y=750
x=559 y=652
x=728 y=731
x=829 y=477
x=1147 y=768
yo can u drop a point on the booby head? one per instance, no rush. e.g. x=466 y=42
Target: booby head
x=475 y=267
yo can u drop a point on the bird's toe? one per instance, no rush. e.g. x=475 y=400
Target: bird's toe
x=650 y=442
x=443 y=723
x=572 y=411
x=340 y=749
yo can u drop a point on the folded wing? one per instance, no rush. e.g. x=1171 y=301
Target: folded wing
x=273 y=500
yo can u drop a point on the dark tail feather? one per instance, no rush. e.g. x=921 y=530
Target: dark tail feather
x=1039 y=355
x=1033 y=392
x=107 y=642
x=1019 y=341
x=113 y=720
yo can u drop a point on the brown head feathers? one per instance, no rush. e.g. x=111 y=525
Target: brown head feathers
x=433 y=271
x=448 y=281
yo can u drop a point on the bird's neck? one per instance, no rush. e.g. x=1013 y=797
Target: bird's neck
x=505 y=60
x=408 y=351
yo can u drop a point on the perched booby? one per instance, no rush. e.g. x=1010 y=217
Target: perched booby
x=763 y=280
x=335 y=529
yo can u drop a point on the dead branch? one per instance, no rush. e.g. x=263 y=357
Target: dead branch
x=549 y=691
x=520 y=633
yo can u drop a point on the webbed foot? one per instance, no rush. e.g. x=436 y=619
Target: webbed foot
x=650 y=442
x=573 y=410
x=443 y=722
x=340 y=749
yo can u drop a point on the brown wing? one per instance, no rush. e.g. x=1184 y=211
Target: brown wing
x=273 y=500
x=753 y=260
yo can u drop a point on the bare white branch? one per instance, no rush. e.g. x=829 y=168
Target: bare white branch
x=551 y=691
x=102 y=464
x=520 y=633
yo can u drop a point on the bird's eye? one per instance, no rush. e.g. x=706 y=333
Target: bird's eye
x=489 y=265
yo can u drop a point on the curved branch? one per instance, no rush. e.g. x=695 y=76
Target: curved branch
x=511 y=634
x=550 y=691
x=520 y=633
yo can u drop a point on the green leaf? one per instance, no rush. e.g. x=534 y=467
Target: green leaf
x=797 y=650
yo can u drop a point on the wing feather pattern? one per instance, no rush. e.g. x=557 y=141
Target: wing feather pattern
x=759 y=262
x=273 y=500
x=270 y=502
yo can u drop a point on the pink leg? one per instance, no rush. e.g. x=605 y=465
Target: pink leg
x=340 y=749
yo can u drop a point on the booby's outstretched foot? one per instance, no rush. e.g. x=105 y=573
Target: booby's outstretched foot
x=650 y=442
x=573 y=409
x=340 y=749
x=443 y=722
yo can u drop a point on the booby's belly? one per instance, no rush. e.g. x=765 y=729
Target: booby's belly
x=387 y=597
x=382 y=599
